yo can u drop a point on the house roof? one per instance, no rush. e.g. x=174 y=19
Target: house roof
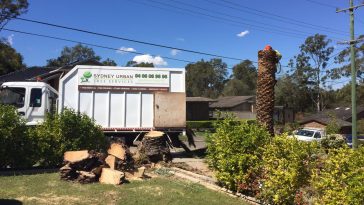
x=341 y=114
x=30 y=74
x=231 y=101
x=326 y=121
x=199 y=99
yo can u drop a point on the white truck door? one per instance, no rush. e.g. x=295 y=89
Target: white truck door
x=36 y=105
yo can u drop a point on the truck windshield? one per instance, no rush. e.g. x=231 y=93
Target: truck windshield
x=307 y=133
x=12 y=96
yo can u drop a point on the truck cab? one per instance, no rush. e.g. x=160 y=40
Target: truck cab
x=32 y=99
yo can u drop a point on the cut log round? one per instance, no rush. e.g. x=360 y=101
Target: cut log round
x=154 y=148
x=75 y=156
x=109 y=176
x=117 y=150
x=110 y=160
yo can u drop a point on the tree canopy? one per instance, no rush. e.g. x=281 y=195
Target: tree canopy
x=243 y=80
x=10 y=60
x=309 y=66
x=76 y=53
x=73 y=54
x=206 y=78
x=135 y=64
x=10 y=9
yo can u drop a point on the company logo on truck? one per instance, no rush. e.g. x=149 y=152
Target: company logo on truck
x=86 y=75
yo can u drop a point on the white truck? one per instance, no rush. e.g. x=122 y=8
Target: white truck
x=119 y=99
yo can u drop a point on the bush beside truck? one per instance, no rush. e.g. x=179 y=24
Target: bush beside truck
x=283 y=170
x=43 y=145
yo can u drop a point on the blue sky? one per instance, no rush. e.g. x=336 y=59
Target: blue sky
x=172 y=23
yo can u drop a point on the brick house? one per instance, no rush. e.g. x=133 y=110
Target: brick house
x=341 y=115
x=243 y=107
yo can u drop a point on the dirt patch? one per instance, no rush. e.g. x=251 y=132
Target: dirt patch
x=51 y=199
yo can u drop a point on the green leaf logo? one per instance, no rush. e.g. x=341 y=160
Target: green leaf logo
x=86 y=76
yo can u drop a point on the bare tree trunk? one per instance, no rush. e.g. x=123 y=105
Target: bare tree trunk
x=267 y=66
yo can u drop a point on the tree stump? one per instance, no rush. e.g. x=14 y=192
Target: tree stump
x=267 y=67
x=154 y=148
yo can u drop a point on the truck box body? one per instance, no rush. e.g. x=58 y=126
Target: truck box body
x=125 y=98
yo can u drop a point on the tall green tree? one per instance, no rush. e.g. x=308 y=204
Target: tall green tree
x=344 y=59
x=10 y=60
x=73 y=54
x=243 y=80
x=289 y=93
x=10 y=9
x=309 y=66
x=206 y=78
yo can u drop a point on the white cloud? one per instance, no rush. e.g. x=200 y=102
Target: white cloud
x=180 y=39
x=174 y=52
x=10 y=39
x=123 y=50
x=146 y=58
x=242 y=34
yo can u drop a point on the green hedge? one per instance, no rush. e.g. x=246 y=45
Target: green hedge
x=211 y=123
x=16 y=145
x=287 y=168
x=237 y=171
x=66 y=131
x=283 y=170
x=43 y=145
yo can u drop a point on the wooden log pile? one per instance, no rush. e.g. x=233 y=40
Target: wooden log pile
x=83 y=166
x=88 y=166
x=118 y=164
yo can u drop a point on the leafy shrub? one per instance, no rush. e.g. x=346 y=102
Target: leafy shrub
x=287 y=166
x=332 y=127
x=339 y=178
x=15 y=145
x=290 y=127
x=235 y=152
x=66 y=131
x=211 y=123
x=333 y=141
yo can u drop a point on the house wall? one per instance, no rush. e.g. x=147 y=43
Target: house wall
x=197 y=111
x=243 y=107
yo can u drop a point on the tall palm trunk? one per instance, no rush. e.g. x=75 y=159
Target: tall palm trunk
x=267 y=67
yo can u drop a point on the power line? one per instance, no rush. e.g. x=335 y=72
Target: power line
x=272 y=16
x=270 y=27
x=221 y=19
x=101 y=46
x=322 y=4
x=127 y=39
x=90 y=44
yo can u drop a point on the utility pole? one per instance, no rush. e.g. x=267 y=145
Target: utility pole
x=353 y=72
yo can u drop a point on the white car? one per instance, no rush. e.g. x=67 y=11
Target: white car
x=309 y=134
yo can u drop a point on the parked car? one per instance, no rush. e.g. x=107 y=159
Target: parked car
x=309 y=134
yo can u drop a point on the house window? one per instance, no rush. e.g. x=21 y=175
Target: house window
x=35 y=97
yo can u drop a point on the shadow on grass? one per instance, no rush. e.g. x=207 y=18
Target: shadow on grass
x=10 y=202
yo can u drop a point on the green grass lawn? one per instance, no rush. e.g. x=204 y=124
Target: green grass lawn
x=49 y=189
